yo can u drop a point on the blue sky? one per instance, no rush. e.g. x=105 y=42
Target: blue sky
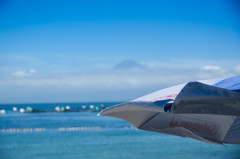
x=65 y=51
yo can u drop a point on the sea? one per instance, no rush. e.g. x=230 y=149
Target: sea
x=84 y=135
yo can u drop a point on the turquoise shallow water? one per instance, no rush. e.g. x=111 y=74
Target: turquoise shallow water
x=84 y=135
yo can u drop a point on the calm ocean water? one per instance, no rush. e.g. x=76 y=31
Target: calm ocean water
x=80 y=135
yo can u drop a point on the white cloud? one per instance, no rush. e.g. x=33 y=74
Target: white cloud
x=122 y=79
x=237 y=69
x=32 y=71
x=104 y=84
x=208 y=67
x=22 y=73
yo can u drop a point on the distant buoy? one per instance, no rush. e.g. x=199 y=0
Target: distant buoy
x=91 y=106
x=84 y=107
x=14 y=108
x=29 y=109
x=67 y=107
x=2 y=111
x=57 y=109
x=22 y=110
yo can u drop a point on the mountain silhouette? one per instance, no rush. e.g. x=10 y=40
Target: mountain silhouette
x=128 y=64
